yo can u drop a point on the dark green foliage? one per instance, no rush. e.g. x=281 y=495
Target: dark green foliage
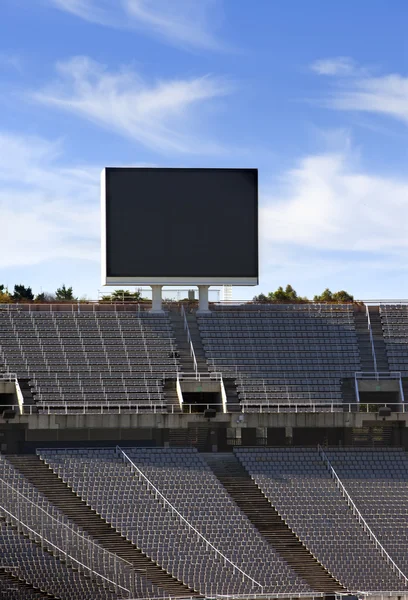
x=22 y=293
x=64 y=293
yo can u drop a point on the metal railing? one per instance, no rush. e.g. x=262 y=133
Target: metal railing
x=223 y=396
x=8 y=377
x=127 y=406
x=359 y=516
x=158 y=494
x=179 y=393
x=377 y=375
x=189 y=340
x=72 y=538
x=370 y=331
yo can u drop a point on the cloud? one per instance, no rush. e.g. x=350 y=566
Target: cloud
x=327 y=222
x=48 y=211
x=340 y=66
x=358 y=90
x=159 y=115
x=326 y=203
x=180 y=22
x=387 y=95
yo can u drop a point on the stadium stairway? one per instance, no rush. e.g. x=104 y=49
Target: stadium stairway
x=233 y=404
x=170 y=395
x=267 y=520
x=186 y=361
x=58 y=493
x=363 y=339
x=10 y=586
x=378 y=339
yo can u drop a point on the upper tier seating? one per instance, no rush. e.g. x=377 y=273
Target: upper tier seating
x=100 y=477
x=283 y=354
x=394 y=319
x=298 y=484
x=377 y=481
x=183 y=477
x=91 y=358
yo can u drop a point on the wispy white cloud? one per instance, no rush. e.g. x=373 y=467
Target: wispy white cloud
x=340 y=66
x=48 y=211
x=180 y=22
x=160 y=115
x=387 y=95
x=356 y=89
x=329 y=222
x=11 y=60
x=328 y=203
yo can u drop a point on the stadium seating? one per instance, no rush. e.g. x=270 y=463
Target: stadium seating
x=42 y=519
x=377 y=481
x=298 y=484
x=90 y=358
x=33 y=564
x=283 y=354
x=394 y=319
x=188 y=483
x=101 y=476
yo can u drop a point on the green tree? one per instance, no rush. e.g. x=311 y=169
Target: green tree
x=326 y=296
x=261 y=299
x=22 y=293
x=64 y=293
x=123 y=296
x=45 y=297
x=340 y=297
x=343 y=297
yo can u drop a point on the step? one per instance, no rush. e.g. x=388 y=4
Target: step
x=269 y=523
x=59 y=494
x=8 y=580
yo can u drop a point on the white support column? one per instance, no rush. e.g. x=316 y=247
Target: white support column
x=203 y=299
x=157 y=299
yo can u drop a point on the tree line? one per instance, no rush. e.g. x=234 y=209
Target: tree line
x=290 y=296
x=22 y=293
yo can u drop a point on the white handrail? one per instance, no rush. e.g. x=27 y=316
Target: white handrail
x=371 y=339
x=19 y=522
x=359 y=516
x=223 y=396
x=179 y=392
x=186 y=328
x=267 y=407
x=180 y=516
x=76 y=534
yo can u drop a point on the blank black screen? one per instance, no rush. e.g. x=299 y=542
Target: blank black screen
x=181 y=222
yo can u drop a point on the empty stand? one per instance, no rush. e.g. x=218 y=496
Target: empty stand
x=12 y=588
x=148 y=579
x=299 y=486
x=394 y=319
x=247 y=495
x=45 y=572
x=188 y=483
x=377 y=481
x=283 y=354
x=91 y=358
x=101 y=476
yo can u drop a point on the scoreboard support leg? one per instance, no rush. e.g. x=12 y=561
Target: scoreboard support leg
x=157 y=299
x=203 y=299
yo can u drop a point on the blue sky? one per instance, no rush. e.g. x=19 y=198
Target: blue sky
x=314 y=94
